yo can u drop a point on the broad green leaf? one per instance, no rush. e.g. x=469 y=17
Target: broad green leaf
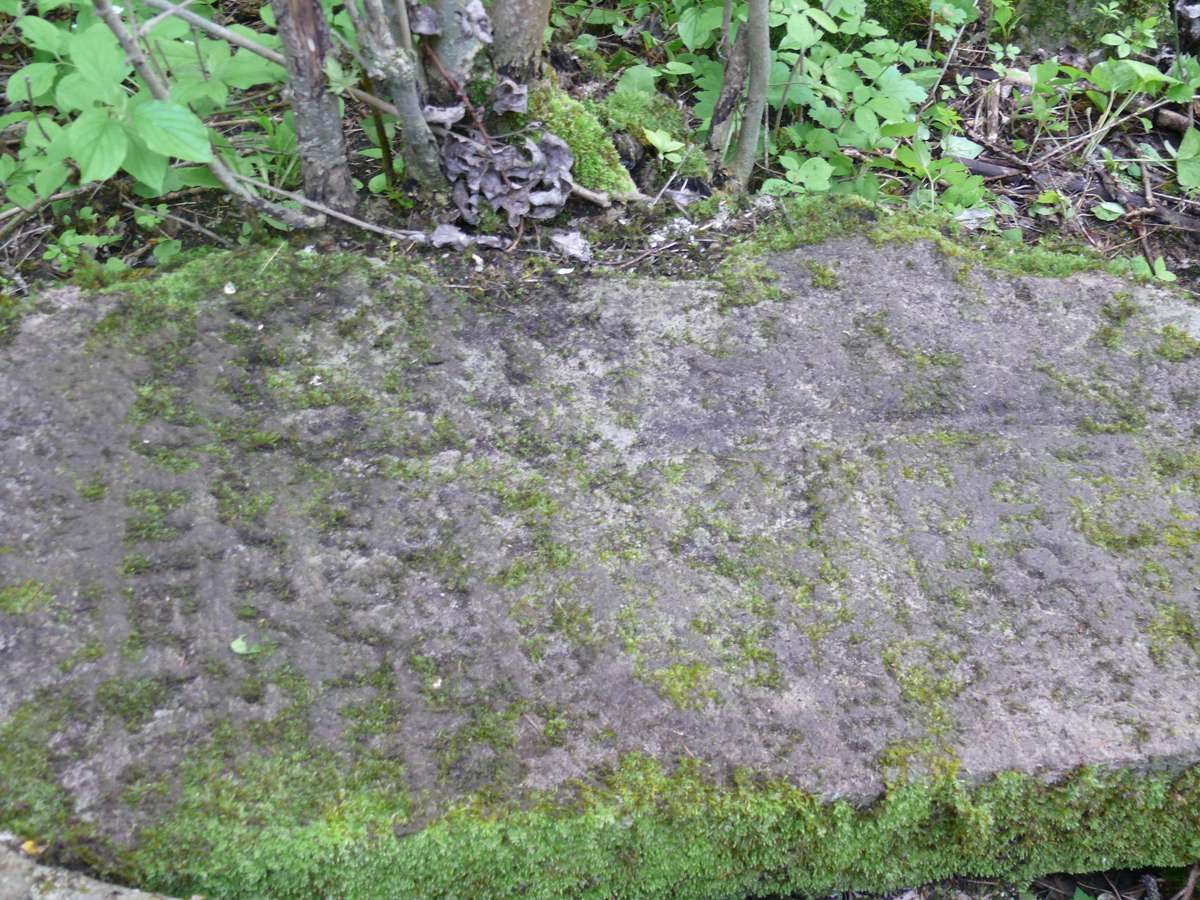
x=800 y=33
x=171 y=129
x=97 y=55
x=50 y=179
x=98 y=144
x=813 y=174
x=20 y=194
x=638 y=78
x=147 y=166
x=821 y=18
x=242 y=647
x=246 y=70
x=777 y=187
x=1108 y=211
x=1187 y=172
x=1190 y=145
x=75 y=92
x=956 y=145
x=32 y=80
x=870 y=67
x=1126 y=75
x=193 y=176
x=42 y=35
x=663 y=142
x=697 y=24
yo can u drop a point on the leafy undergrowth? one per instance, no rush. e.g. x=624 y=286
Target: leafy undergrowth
x=927 y=105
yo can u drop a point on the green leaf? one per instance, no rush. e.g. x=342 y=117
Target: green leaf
x=800 y=33
x=147 y=166
x=1108 y=211
x=97 y=55
x=959 y=146
x=1161 y=272
x=50 y=179
x=242 y=647
x=98 y=144
x=813 y=174
x=171 y=129
x=638 y=78
x=663 y=142
x=194 y=176
x=777 y=187
x=42 y=35
x=75 y=92
x=1190 y=145
x=697 y=24
x=1187 y=160
x=31 y=80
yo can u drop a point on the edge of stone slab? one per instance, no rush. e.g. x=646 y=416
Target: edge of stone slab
x=646 y=833
x=23 y=878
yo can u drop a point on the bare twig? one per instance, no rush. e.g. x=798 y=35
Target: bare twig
x=1190 y=888
x=188 y=223
x=165 y=14
x=416 y=236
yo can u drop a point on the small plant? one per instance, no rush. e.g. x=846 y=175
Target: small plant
x=1136 y=39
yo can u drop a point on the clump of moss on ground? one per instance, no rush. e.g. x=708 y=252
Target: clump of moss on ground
x=597 y=165
x=634 y=112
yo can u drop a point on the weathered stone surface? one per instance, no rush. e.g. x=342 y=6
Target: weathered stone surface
x=23 y=879
x=907 y=513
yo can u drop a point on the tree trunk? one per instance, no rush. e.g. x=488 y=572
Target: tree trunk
x=304 y=34
x=759 y=46
x=391 y=60
x=466 y=28
x=720 y=126
x=520 y=32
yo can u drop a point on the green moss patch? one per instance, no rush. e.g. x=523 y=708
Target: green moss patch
x=24 y=597
x=302 y=826
x=597 y=165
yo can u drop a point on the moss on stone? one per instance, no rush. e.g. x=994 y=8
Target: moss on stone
x=24 y=597
x=686 y=685
x=806 y=221
x=305 y=823
x=1172 y=631
x=132 y=700
x=1177 y=345
x=597 y=165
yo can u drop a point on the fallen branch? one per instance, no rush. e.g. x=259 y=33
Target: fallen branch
x=1190 y=887
x=417 y=236
x=187 y=223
